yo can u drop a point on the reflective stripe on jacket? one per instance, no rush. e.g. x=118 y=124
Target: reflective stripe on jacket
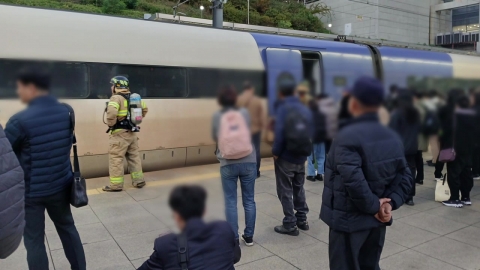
x=117 y=109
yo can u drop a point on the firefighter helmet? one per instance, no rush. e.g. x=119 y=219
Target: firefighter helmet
x=120 y=82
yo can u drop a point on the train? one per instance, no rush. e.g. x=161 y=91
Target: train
x=177 y=70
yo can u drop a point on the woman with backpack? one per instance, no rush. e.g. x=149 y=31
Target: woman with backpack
x=405 y=120
x=236 y=153
x=318 y=140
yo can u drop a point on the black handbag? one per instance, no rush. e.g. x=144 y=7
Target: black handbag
x=78 y=196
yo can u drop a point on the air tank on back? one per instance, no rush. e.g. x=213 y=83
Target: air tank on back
x=136 y=116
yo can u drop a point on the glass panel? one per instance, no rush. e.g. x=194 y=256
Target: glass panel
x=69 y=79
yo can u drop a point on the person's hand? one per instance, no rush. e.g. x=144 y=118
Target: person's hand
x=385 y=212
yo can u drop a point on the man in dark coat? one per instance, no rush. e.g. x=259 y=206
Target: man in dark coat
x=366 y=178
x=12 y=192
x=41 y=137
x=209 y=246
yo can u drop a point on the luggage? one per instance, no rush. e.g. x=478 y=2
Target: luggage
x=234 y=139
x=297 y=135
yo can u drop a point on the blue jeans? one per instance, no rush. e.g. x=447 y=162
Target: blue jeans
x=318 y=153
x=247 y=172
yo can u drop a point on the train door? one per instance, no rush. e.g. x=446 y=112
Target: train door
x=278 y=61
x=311 y=62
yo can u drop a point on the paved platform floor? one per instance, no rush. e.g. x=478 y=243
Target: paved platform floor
x=118 y=229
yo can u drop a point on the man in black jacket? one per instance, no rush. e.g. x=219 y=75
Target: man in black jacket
x=366 y=178
x=209 y=246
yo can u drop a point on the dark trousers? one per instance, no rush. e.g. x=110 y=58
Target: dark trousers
x=58 y=208
x=256 y=142
x=419 y=166
x=476 y=161
x=290 y=180
x=459 y=177
x=438 y=169
x=411 y=165
x=356 y=251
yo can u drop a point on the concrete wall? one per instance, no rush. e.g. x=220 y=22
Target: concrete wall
x=395 y=20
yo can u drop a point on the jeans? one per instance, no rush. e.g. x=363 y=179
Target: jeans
x=247 y=174
x=58 y=208
x=256 y=142
x=290 y=180
x=318 y=154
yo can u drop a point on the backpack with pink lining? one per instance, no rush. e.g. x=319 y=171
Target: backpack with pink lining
x=234 y=141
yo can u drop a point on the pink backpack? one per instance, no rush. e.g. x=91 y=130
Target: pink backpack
x=234 y=141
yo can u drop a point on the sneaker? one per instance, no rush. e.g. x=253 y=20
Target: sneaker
x=430 y=163
x=420 y=182
x=258 y=175
x=476 y=177
x=291 y=231
x=110 y=189
x=303 y=225
x=410 y=202
x=453 y=203
x=439 y=178
x=466 y=201
x=311 y=178
x=248 y=240
x=138 y=184
x=319 y=177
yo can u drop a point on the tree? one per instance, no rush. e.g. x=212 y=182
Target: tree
x=131 y=4
x=113 y=6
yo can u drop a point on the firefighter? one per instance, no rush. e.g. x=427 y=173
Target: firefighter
x=123 y=142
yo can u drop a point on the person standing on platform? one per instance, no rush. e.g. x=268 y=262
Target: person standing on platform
x=365 y=179
x=422 y=137
x=123 y=140
x=318 y=140
x=476 y=150
x=12 y=197
x=328 y=106
x=41 y=137
x=249 y=100
x=405 y=120
x=291 y=147
x=230 y=130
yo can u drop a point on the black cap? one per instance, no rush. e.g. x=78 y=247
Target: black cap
x=369 y=91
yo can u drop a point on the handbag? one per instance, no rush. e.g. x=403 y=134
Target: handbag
x=442 y=191
x=449 y=154
x=78 y=195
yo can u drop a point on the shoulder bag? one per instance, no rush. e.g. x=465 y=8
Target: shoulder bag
x=449 y=154
x=78 y=197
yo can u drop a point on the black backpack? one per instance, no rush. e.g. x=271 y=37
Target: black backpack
x=297 y=137
x=431 y=124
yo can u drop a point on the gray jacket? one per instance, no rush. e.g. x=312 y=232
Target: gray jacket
x=328 y=106
x=216 y=127
x=12 y=194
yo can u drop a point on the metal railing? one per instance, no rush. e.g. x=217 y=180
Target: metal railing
x=289 y=32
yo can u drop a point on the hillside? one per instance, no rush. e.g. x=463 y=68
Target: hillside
x=277 y=13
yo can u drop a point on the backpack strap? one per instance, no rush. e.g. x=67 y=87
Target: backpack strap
x=182 y=251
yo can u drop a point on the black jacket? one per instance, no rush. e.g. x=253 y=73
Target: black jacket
x=41 y=137
x=407 y=132
x=211 y=246
x=366 y=163
x=12 y=193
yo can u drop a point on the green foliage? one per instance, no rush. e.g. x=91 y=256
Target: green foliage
x=287 y=14
x=113 y=6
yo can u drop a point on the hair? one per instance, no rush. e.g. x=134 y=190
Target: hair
x=406 y=107
x=39 y=77
x=247 y=85
x=286 y=84
x=453 y=96
x=417 y=94
x=432 y=93
x=188 y=201
x=463 y=102
x=393 y=89
x=227 y=96
x=322 y=96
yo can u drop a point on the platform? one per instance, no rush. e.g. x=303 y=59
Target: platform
x=118 y=229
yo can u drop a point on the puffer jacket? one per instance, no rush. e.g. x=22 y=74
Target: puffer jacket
x=366 y=163
x=41 y=137
x=329 y=108
x=12 y=193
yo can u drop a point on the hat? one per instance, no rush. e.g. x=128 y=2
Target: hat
x=369 y=91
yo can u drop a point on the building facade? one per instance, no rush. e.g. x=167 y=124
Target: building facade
x=410 y=21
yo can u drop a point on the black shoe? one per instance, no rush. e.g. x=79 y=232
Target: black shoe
x=420 y=182
x=476 y=177
x=439 y=177
x=319 y=177
x=430 y=163
x=248 y=240
x=311 y=178
x=466 y=201
x=453 y=203
x=410 y=202
x=303 y=225
x=291 y=231
x=258 y=175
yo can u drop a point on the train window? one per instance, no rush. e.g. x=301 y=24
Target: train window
x=155 y=81
x=69 y=80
